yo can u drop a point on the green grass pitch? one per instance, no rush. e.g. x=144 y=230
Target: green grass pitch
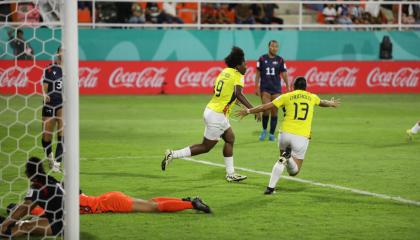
x=360 y=145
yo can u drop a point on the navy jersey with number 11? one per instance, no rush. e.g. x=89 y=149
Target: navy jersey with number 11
x=270 y=69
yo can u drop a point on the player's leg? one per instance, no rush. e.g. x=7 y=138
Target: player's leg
x=278 y=168
x=165 y=204
x=60 y=136
x=216 y=124
x=37 y=227
x=205 y=146
x=265 y=98
x=414 y=130
x=299 y=145
x=229 y=138
x=273 y=119
x=48 y=125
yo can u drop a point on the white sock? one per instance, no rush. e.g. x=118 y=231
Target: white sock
x=415 y=129
x=229 y=165
x=292 y=167
x=185 y=152
x=275 y=174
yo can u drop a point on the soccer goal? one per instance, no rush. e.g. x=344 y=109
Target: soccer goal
x=38 y=59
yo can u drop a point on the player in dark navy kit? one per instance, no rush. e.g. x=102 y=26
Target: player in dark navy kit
x=269 y=68
x=46 y=192
x=52 y=111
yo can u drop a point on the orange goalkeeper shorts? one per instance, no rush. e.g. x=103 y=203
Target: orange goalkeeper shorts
x=116 y=202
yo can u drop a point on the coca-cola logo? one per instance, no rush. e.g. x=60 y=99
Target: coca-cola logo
x=88 y=77
x=340 y=77
x=404 y=77
x=150 y=77
x=188 y=78
x=13 y=77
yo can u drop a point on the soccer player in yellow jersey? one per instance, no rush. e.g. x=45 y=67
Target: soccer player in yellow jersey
x=227 y=90
x=296 y=127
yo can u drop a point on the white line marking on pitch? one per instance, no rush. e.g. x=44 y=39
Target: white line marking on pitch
x=326 y=185
x=333 y=186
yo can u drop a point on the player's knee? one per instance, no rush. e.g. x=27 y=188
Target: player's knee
x=292 y=174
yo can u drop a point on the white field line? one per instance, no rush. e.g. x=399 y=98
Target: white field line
x=325 y=185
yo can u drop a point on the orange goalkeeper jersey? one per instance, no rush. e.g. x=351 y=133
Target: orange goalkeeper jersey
x=116 y=202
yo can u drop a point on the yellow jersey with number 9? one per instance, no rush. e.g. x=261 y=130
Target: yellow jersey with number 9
x=299 y=106
x=224 y=96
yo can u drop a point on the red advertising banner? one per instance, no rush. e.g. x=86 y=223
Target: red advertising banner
x=195 y=77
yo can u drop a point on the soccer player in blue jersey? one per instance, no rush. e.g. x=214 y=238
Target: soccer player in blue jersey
x=268 y=85
x=52 y=111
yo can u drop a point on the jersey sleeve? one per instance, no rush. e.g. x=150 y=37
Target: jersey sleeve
x=259 y=63
x=317 y=100
x=283 y=67
x=279 y=101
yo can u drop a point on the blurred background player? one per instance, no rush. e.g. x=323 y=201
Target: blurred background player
x=268 y=85
x=414 y=130
x=227 y=90
x=52 y=111
x=46 y=192
x=296 y=127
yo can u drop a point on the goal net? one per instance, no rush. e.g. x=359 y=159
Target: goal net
x=32 y=120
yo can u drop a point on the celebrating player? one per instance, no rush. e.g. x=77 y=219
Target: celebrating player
x=296 y=127
x=227 y=90
x=52 y=111
x=268 y=85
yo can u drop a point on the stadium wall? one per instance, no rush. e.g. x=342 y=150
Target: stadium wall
x=213 y=45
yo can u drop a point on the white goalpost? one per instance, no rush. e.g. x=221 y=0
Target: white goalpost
x=71 y=120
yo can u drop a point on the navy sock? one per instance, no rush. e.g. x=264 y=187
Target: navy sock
x=273 y=124
x=59 y=149
x=47 y=147
x=265 y=121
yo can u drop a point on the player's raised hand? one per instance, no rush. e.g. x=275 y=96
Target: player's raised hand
x=335 y=102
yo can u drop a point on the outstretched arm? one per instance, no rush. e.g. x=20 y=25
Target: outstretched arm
x=331 y=103
x=260 y=108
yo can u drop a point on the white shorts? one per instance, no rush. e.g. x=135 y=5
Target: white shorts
x=298 y=144
x=216 y=124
